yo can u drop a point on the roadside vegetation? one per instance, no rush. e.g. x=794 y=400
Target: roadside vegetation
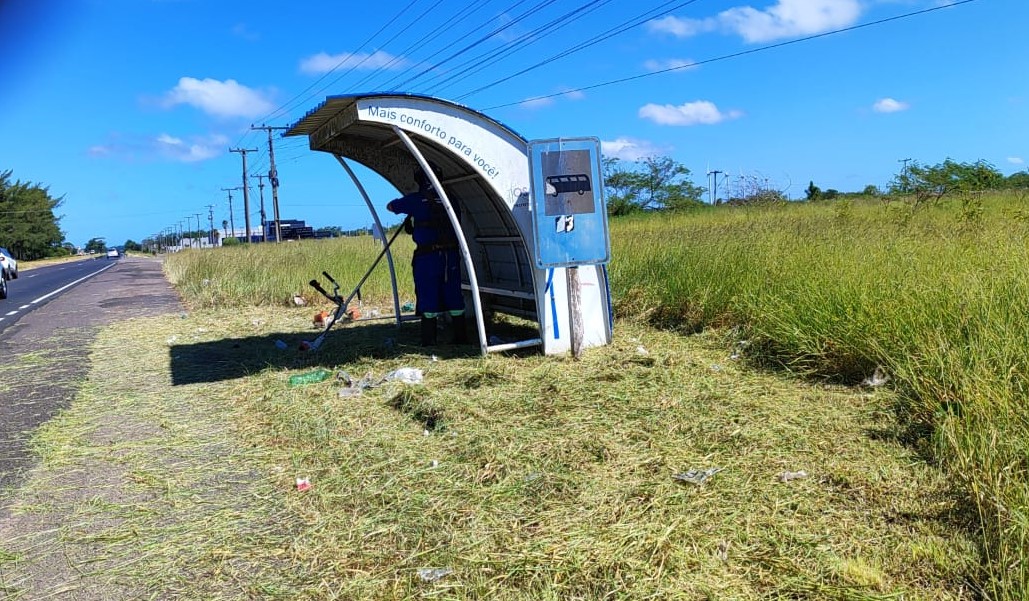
x=174 y=475
x=28 y=226
x=932 y=295
x=821 y=399
x=929 y=295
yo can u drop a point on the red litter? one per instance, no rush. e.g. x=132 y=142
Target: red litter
x=303 y=484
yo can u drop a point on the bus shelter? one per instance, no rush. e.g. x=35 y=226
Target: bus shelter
x=485 y=170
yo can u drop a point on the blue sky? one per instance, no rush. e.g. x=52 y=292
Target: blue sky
x=127 y=108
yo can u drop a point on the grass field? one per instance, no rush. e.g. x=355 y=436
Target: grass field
x=742 y=337
x=173 y=475
x=938 y=297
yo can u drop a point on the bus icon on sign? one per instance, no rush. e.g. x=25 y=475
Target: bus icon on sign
x=560 y=184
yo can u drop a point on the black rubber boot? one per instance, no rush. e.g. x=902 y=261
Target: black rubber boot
x=428 y=331
x=460 y=325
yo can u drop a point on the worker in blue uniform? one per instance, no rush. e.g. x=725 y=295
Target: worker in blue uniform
x=436 y=264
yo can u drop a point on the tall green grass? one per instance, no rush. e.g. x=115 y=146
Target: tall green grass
x=272 y=274
x=939 y=297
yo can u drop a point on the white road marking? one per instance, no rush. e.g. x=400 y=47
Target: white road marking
x=11 y=313
x=24 y=307
x=66 y=286
x=32 y=275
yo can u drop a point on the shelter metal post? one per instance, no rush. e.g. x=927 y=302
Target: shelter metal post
x=466 y=255
x=378 y=224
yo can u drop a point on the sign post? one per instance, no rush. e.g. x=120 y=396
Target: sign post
x=569 y=214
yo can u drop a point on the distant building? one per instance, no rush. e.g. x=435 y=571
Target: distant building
x=292 y=229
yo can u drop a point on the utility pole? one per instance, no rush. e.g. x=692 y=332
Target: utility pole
x=714 y=189
x=907 y=178
x=246 y=187
x=232 y=222
x=273 y=178
x=199 y=228
x=210 y=225
x=264 y=228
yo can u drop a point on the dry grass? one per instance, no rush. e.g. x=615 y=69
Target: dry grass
x=530 y=477
x=29 y=265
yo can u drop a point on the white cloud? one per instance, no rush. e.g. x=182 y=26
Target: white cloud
x=200 y=148
x=785 y=19
x=790 y=18
x=701 y=112
x=680 y=28
x=630 y=149
x=323 y=63
x=668 y=63
x=1016 y=160
x=889 y=105
x=219 y=98
x=98 y=151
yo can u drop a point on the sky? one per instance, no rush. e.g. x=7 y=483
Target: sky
x=128 y=108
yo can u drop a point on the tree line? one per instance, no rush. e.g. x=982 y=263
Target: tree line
x=661 y=183
x=28 y=226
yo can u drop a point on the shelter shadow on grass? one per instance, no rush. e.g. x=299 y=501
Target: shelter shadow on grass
x=231 y=358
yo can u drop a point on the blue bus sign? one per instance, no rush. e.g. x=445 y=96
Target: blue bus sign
x=568 y=210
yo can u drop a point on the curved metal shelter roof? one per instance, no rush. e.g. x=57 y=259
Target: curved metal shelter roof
x=480 y=162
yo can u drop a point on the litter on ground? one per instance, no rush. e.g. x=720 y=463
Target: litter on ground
x=787 y=476
x=877 y=379
x=433 y=574
x=697 y=476
x=405 y=375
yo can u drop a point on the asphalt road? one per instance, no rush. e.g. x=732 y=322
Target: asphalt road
x=35 y=287
x=49 y=321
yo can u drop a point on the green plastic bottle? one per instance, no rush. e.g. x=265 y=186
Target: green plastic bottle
x=311 y=377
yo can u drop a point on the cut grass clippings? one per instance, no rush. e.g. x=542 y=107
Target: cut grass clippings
x=173 y=474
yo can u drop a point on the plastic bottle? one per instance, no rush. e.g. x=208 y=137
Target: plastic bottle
x=311 y=377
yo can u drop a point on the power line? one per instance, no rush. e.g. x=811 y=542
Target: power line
x=481 y=40
x=395 y=36
x=601 y=37
x=442 y=73
x=282 y=109
x=484 y=60
x=456 y=39
x=735 y=54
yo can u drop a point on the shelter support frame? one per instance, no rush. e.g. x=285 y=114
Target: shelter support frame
x=466 y=255
x=378 y=224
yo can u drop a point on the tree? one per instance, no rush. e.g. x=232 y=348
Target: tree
x=132 y=245
x=1019 y=179
x=812 y=192
x=936 y=181
x=97 y=245
x=652 y=183
x=28 y=227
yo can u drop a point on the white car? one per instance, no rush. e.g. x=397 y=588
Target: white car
x=8 y=264
x=112 y=253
